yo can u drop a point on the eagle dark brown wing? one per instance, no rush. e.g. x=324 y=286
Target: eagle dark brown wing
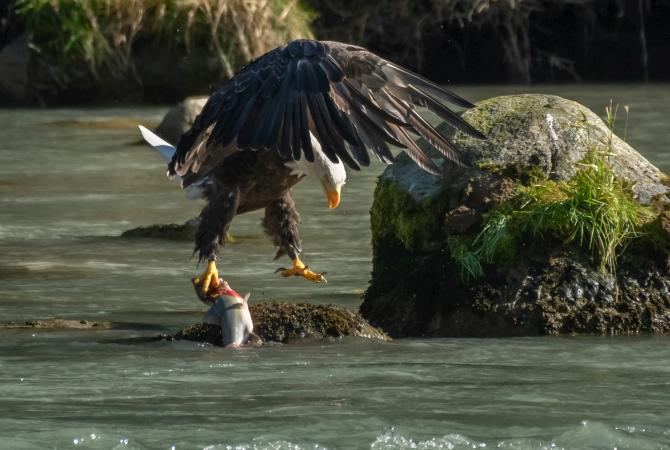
x=350 y=99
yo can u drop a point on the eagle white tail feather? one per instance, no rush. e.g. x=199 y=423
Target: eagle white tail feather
x=167 y=151
x=164 y=148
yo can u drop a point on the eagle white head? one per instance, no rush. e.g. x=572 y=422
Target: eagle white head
x=332 y=176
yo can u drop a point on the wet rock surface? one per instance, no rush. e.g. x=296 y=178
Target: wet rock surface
x=549 y=287
x=289 y=322
x=562 y=294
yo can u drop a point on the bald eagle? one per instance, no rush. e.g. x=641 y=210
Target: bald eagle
x=311 y=103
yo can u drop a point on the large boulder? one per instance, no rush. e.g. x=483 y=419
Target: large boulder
x=553 y=134
x=545 y=285
x=180 y=118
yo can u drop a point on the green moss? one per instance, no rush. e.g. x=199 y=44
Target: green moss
x=487 y=117
x=522 y=173
x=396 y=215
x=505 y=114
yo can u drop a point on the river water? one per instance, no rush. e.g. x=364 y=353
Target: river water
x=71 y=181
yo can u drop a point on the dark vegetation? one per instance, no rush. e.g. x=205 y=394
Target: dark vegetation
x=163 y=50
x=518 y=41
x=137 y=50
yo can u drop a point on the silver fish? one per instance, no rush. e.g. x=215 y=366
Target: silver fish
x=230 y=311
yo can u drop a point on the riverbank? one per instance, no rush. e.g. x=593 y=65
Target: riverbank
x=65 y=52
x=70 y=52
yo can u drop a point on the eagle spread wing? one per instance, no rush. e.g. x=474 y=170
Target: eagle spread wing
x=350 y=99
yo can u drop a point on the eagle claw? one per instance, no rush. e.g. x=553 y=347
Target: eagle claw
x=305 y=272
x=209 y=279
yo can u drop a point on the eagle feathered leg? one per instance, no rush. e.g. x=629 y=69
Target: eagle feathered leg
x=215 y=220
x=281 y=224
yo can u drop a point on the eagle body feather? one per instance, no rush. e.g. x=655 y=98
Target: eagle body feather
x=261 y=178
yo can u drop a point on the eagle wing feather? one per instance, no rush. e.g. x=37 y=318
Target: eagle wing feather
x=350 y=99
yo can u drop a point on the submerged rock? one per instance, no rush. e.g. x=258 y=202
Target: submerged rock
x=182 y=232
x=547 y=286
x=288 y=322
x=58 y=324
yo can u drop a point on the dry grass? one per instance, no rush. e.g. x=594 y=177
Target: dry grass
x=102 y=33
x=401 y=26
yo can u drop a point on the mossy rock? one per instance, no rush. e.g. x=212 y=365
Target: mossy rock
x=553 y=134
x=545 y=285
x=289 y=322
x=403 y=210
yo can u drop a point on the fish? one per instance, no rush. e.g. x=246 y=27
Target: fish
x=230 y=311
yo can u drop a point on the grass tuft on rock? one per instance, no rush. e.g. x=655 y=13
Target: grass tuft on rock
x=468 y=262
x=594 y=210
x=100 y=34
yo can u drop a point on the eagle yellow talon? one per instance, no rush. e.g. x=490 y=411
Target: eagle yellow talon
x=209 y=279
x=301 y=270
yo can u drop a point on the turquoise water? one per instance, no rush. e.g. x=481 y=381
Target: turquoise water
x=68 y=191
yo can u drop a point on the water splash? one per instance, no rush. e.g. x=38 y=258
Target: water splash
x=585 y=436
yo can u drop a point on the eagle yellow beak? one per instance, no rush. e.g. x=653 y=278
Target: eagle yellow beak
x=333 y=197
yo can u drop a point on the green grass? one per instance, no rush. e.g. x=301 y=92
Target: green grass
x=594 y=211
x=100 y=34
x=467 y=261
